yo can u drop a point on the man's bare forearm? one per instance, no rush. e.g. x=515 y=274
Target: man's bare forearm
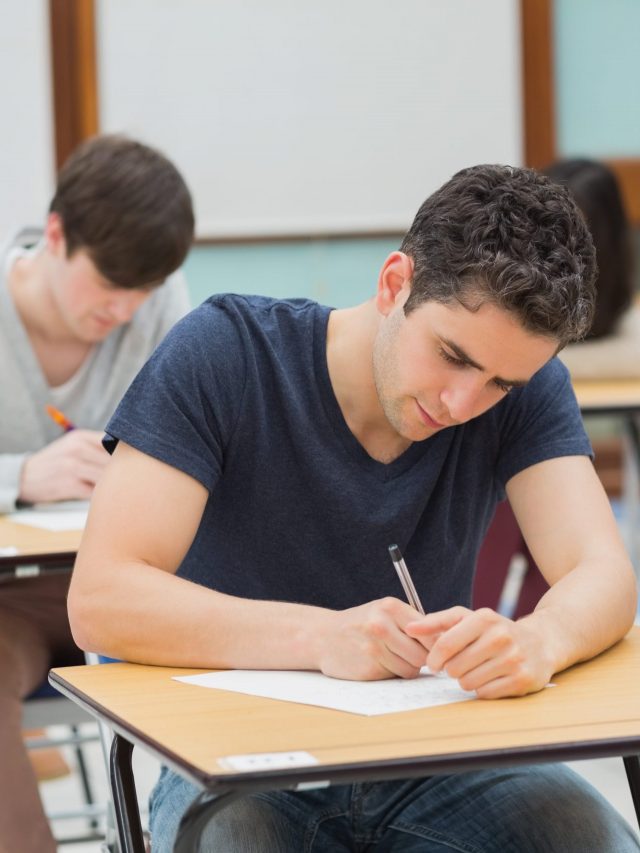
x=146 y=615
x=586 y=611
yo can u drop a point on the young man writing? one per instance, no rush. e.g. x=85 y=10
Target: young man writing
x=269 y=453
x=81 y=309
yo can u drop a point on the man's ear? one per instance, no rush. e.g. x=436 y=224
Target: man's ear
x=54 y=235
x=394 y=282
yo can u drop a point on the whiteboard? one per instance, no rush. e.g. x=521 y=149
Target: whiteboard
x=290 y=117
x=26 y=125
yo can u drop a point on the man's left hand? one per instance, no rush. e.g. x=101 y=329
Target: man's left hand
x=484 y=651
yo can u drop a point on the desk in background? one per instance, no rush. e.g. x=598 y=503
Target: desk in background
x=621 y=398
x=608 y=396
x=594 y=711
x=37 y=550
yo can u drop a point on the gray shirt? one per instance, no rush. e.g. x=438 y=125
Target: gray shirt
x=90 y=397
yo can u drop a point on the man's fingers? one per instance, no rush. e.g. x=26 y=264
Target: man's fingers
x=507 y=686
x=85 y=444
x=369 y=642
x=400 y=667
x=411 y=651
x=463 y=634
x=436 y=623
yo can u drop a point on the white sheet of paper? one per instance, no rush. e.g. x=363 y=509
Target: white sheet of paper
x=357 y=697
x=63 y=515
x=8 y=551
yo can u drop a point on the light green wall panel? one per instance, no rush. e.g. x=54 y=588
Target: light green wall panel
x=597 y=67
x=337 y=272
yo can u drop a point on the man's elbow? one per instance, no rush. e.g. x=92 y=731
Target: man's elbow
x=628 y=602
x=83 y=619
x=633 y=604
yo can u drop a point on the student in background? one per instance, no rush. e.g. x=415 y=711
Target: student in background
x=612 y=347
x=271 y=450
x=610 y=350
x=83 y=303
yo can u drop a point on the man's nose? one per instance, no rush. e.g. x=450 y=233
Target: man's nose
x=124 y=306
x=462 y=398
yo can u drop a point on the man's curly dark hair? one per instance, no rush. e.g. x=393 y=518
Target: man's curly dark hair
x=510 y=237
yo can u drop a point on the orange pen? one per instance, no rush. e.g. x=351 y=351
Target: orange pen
x=62 y=420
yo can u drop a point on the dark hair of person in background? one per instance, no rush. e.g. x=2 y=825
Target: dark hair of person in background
x=128 y=207
x=595 y=189
x=507 y=236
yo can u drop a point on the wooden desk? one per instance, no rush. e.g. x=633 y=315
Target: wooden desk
x=593 y=711
x=608 y=397
x=38 y=550
x=620 y=397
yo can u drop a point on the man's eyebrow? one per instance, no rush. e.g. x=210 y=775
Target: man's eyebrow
x=464 y=357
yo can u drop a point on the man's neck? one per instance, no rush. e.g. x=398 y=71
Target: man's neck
x=59 y=353
x=29 y=287
x=350 y=338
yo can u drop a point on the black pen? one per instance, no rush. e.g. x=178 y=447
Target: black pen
x=405 y=578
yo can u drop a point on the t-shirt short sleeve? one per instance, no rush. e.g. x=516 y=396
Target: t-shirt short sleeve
x=540 y=421
x=183 y=405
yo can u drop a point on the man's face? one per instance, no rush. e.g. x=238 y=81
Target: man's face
x=89 y=305
x=444 y=365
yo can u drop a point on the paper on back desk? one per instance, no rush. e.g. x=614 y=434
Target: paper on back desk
x=357 y=697
x=63 y=515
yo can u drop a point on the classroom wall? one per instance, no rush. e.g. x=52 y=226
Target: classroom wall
x=338 y=272
x=26 y=128
x=597 y=66
x=299 y=118
x=285 y=124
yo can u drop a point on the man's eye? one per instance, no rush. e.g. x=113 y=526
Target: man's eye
x=451 y=359
x=504 y=388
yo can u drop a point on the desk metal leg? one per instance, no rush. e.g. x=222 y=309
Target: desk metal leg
x=198 y=815
x=634 y=436
x=123 y=789
x=632 y=766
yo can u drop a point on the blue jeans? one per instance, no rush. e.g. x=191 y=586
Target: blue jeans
x=538 y=809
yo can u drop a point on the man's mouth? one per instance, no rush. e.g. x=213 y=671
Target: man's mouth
x=427 y=419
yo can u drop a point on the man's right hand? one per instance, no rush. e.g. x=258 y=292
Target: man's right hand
x=368 y=642
x=66 y=469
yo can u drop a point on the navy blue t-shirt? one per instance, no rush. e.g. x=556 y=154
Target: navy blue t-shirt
x=239 y=397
